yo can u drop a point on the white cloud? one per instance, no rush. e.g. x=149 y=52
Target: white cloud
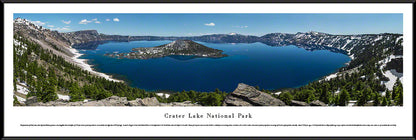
x=66 y=22
x=107 y=19
x=242 y=26
x=210 y=24
x=85 y=21
x=40 y=23
x=116 y=19
x=50 y=26
x=67 y=26
x=96 y=20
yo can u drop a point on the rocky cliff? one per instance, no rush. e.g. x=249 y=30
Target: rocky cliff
x=246 y=95
x=48 y=39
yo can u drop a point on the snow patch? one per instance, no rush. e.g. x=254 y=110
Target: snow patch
x=63 y=97
x=329 y=77
x=387 y=60
x=349 y=51
x=397 y=40
x=20 y=99
x=383 y=93
x=352 y=56
x=348 y=41
x=392 y=75
x=338 y=91
x=163 y=95
x=352 y=103
x=378 y=38
x=22 y=89
x=277 y=93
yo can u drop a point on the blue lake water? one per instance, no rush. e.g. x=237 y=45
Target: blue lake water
x=254 y=64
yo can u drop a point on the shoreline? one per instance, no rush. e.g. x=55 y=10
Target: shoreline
x=82 y=63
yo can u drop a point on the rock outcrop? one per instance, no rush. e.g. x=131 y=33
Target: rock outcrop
x=298 y=103
x=149 y=101
x=31 y=100
x=185 y=103
x=246 y=95
x=317 y=103
x=110 y=101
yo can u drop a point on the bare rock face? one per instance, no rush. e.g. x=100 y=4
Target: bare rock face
x=110 y=101
x=235 y=101
x=93 y=103
x=246 y=95
x=31 y=100
x=317 y=103
x=298 y=103
x=134 y=102
x=149 y=101
x=185 y=103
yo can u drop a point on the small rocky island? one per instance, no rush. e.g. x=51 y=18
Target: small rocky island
x=178 y=47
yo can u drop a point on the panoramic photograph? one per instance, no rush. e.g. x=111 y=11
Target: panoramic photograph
x=208 y=59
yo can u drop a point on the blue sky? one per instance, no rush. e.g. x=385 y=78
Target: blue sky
x=201 y=24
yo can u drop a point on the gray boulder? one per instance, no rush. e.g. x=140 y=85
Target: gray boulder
x=298 y=103
x=235 y=101
x=136 y=102
x=79 y=103
x=317 y=103
x=31 y=100
x=149 y=101
x=185 y=103
x=94 y=103
x=110 y=101
x=246 y=95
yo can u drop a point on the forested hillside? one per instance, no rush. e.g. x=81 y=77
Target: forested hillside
x=371 y=78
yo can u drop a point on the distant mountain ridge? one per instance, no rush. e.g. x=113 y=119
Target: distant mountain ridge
x=352 y=45
x=309 y=40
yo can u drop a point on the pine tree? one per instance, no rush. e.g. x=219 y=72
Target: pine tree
x=75 y=93
x=388 y=94
x=15 y=101
x=398 y=92
x=286 y=97
x=48 y=94
x=325 y=93
x=376 y=99
x=384 y=101
x=14 y=84
x=344 y=97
